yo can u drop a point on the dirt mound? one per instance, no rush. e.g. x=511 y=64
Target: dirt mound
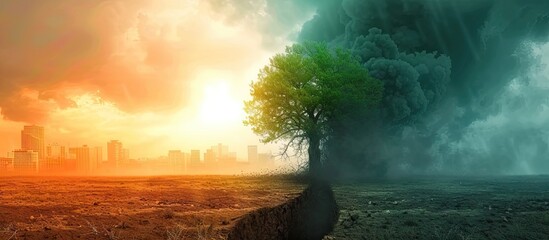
x=309 y=216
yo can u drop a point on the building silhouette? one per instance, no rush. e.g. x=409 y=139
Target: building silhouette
x=209 y=157
x=54 y=160
x=195 y=157
x=222 y=152
x=125 y=157
x=32 y=138
x=87 y=159
x=6 y=165
x=81 y=156
x=177 y=161
x=114 y=153
x=252 y=154
x=96 y=158
x=56 y=151
x=25 y=161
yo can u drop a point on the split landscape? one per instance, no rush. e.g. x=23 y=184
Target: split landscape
x=330 y=119
x=207 y=207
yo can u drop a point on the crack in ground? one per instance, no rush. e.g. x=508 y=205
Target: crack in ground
x=310 y=216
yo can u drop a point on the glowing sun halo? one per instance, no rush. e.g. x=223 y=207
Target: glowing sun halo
x=218 y=106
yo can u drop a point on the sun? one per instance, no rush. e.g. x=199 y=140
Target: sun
x=218 y=106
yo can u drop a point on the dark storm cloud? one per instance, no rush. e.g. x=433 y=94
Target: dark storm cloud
x=412 y=81
x=447 y=66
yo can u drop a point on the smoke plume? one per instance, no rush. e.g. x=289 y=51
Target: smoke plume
x=465 y=89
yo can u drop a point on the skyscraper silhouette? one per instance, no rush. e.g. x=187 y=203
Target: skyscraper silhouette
x=32 y=138
x=114 y=153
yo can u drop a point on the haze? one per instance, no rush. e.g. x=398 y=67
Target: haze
x=157 y=75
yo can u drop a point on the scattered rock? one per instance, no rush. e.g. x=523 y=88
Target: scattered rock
x=504 y=219
x=354 y=215
x=122 y=225
x=349 y=219
x=47 y=228
x=347 y=224
x=168 y=214
x=395 y=202
x=96 y=203
x=144 y=222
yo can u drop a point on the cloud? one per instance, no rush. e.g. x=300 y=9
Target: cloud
x=449 y=118
x=512 y=140
x=53 y=43
x=278 y=21
x=140 y=55
x=25 y=105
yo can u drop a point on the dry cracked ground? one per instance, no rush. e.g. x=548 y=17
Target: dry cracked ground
x=186 y=207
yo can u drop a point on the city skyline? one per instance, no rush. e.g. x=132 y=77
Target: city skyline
x=16 y=143
x=113 y=158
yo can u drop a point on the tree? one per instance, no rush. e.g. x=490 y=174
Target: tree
x=300 y=93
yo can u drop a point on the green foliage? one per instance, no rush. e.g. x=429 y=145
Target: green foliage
x=305 y=88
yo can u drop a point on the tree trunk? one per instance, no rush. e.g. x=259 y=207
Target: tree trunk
x=314 y=156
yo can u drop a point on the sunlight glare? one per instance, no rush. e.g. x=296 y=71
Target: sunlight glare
x=218 y=106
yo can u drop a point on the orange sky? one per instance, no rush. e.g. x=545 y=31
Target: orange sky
x=157 y=75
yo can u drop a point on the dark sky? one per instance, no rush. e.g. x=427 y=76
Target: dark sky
x=466 y=87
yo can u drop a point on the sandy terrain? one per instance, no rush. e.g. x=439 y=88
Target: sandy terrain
x=188 y=207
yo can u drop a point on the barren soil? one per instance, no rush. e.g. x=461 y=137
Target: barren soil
x=187 y=207
x=444 y=208
x=206 y=207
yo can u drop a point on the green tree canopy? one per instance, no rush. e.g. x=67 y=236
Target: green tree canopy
x=302 y=91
